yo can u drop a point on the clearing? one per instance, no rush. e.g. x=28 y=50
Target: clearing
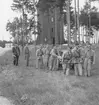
x=29 y=86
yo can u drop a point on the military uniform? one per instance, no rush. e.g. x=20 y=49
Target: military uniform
x=16 y=54
x=53 y=59
x=27 y=55
x=59 y=60
x=88 y=61
x=81 y=60
x=47 y=56
x=66 y=58
x=76 y=61
x=39 y=58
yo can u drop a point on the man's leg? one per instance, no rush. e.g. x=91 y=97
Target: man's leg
x=37 y=63
x=14 y=60
x=76 y=69
x=64 y=68
x=89 y=68
x=41 y=63
x=68 y=69
x=44 y=61
x=80 y=69
x=48 y=61
x=17 y=60
x=85 y=66
x=27 y=60
x=51 y=63
x=55 y=64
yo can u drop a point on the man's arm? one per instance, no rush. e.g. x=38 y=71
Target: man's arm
x=37 y=51
x=94 y=56
x=19 y=50
x=63 y=56
x=13 y=50
x=53 y=53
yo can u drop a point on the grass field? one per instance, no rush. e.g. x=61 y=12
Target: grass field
x=29 y=86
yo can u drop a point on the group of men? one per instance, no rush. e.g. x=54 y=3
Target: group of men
x=79 y=57
x=16 y=54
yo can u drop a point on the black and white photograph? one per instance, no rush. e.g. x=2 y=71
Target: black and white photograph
x=49 y=52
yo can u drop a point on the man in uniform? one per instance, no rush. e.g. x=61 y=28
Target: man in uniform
x=16 y=54
x=59 y=59
x=47 y=56
x=66 y=58
x=89 y=60
x=76 y=59
x=44 y=48
x=27 y=54
x=39 y=58
x=53 y=59
x=81 y=59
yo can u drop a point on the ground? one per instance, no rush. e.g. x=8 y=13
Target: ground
x=29 y=86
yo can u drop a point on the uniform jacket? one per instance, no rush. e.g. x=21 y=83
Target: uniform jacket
x=66 y=57
x=39 y=52
x=16 y=51
x=27 y=50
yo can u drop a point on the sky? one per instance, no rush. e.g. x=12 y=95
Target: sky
x=8 y=14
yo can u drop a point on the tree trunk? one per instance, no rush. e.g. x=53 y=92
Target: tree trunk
x=82 y=33
x=68 y=22
x=89 y=19
x=42 y=37
x=61 y=30
x=38 y=40
x=56 y=34
x=22 y=30
x=49 y=27
x=75 y=33
x=78 y=25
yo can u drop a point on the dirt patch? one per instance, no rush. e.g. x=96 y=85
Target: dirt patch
x=5 y=101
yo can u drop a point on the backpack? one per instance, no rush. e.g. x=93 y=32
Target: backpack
x=77 y=53
x=67 y=56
